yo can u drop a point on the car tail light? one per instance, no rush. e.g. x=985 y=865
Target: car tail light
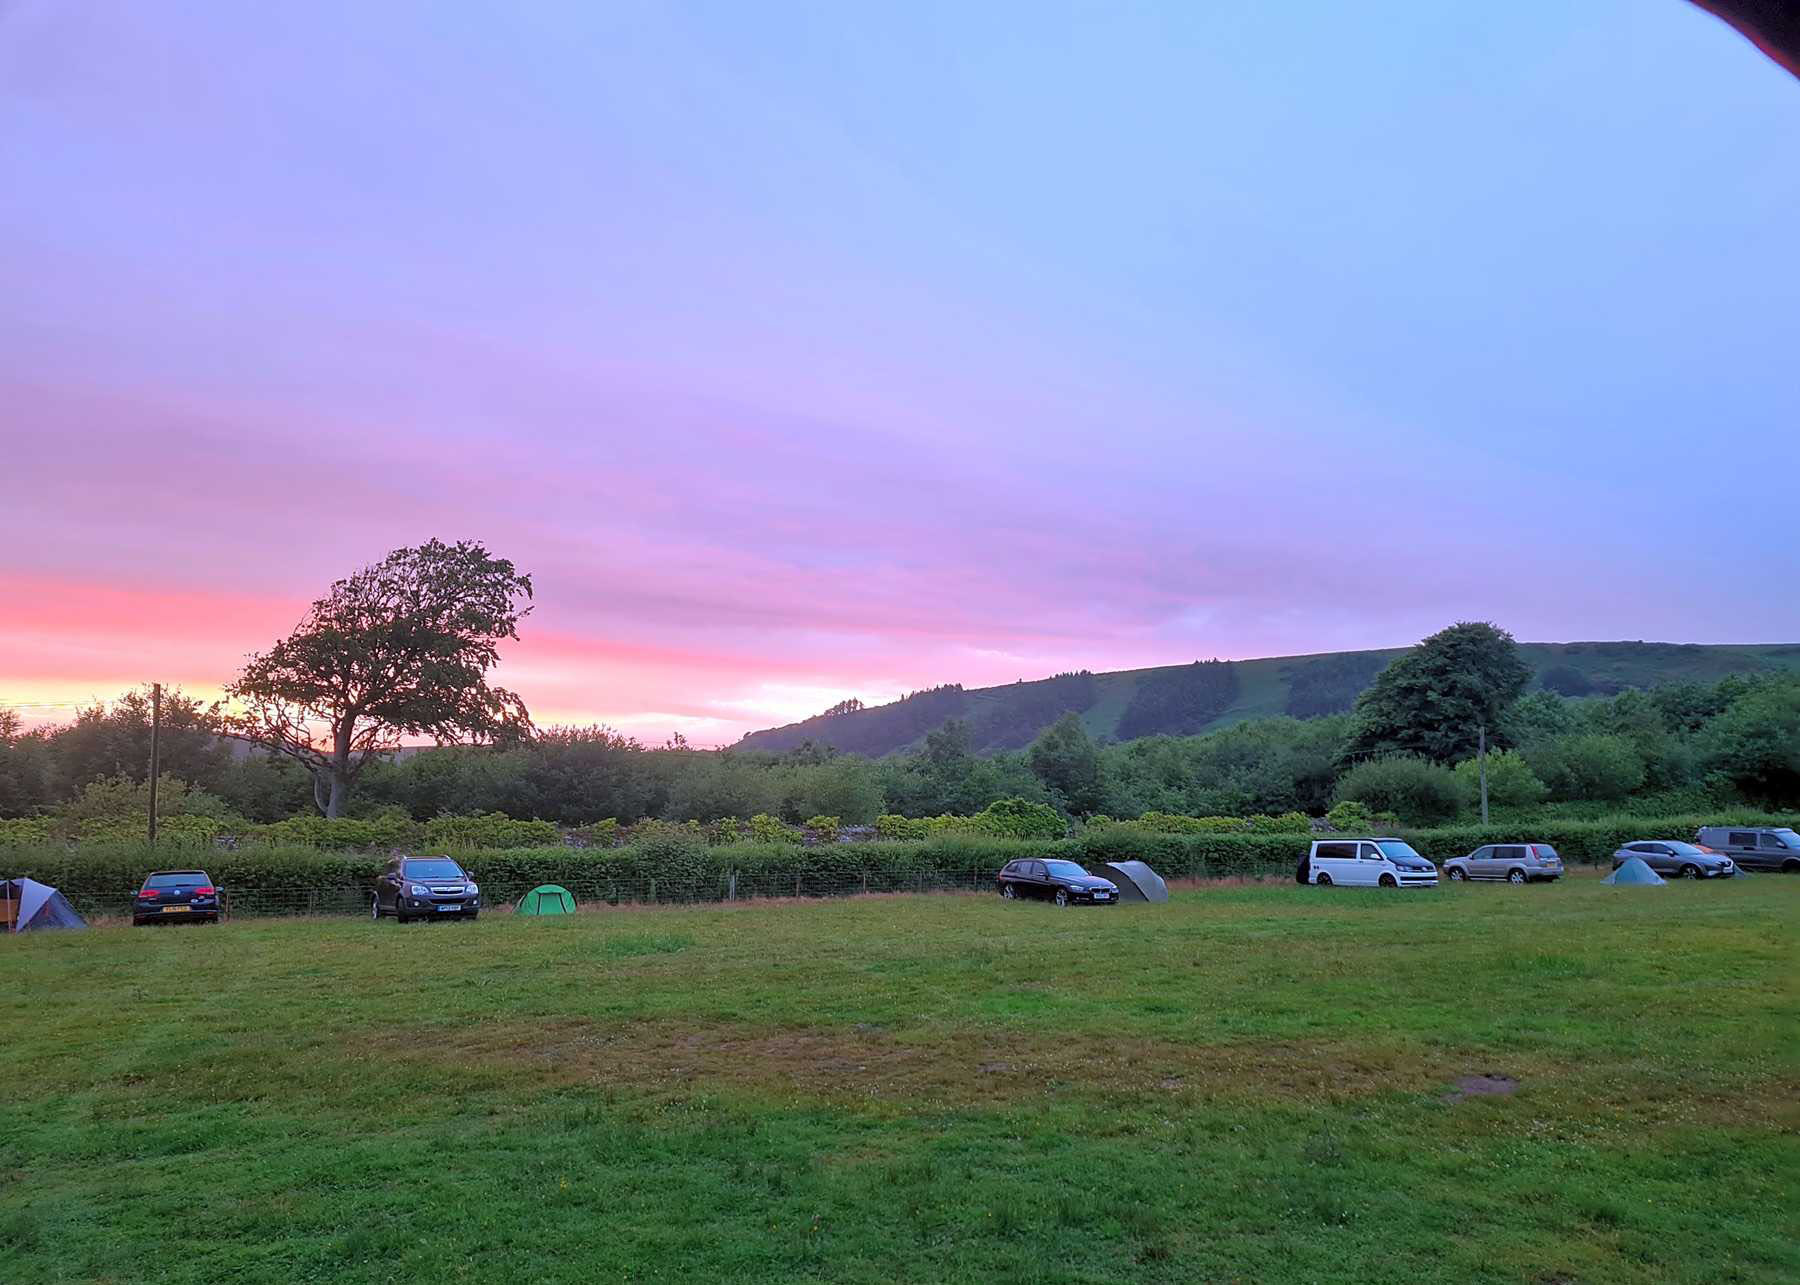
x=147 y=892
x=203 y=892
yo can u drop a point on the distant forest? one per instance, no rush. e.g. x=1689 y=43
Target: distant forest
x=1186 y=700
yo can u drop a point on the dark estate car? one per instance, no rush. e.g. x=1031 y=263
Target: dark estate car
x=1674 y=857
x=1062 y=882
x=169 y=895
x=424 y=888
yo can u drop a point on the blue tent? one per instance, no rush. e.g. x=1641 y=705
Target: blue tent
x=1634 y=873
x=28 y=906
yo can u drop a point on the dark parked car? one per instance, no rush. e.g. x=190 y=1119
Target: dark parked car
x=169 y=895
x=1062 y=882
x=1753 y=847
x=1673 y=857
x=424 y=888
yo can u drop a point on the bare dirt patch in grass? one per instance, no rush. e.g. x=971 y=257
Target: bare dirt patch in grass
x=1487 y=1084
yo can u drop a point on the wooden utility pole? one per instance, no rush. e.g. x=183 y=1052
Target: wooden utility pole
x=155 y=752
x=1482 y=731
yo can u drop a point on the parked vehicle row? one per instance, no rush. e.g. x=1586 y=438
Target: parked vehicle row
x=1674 y=857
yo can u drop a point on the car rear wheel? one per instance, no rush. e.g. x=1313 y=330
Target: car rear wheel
x=1515 y=876
x=1062 y=896
x=1690 y=872
x=1009 y=892
x=1458 y=873
x=1324 y=880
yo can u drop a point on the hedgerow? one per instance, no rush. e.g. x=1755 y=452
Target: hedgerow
x=676 y=863
x=489 y=830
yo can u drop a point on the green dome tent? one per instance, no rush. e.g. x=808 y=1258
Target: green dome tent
x=1636 y=872
x=547 y=899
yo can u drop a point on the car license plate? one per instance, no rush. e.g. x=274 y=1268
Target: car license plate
x=456 y=906
x=176 y=910
x=1101 y=896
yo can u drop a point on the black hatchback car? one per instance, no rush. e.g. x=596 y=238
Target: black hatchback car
x=169 y=896
x=1061 y=882
x=424 y=888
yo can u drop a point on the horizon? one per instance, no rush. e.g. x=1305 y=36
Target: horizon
x=823 y=355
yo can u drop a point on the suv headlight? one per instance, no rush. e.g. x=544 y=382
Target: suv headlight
x=417 y=890
x=474 y=888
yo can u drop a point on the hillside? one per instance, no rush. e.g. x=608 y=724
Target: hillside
x=1201 y=697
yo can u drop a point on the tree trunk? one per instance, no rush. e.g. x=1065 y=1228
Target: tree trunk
x=336 y=775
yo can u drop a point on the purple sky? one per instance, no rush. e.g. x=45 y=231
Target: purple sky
x=809 y=351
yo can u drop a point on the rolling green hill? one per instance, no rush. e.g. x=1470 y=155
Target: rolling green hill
x=1201 y=697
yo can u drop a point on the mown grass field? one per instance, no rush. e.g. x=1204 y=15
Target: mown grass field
x=1252 y=1083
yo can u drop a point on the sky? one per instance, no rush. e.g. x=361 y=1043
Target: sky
x=809 y=351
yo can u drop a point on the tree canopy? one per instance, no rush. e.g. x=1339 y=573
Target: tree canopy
x=401 y=648
x=1434 y=700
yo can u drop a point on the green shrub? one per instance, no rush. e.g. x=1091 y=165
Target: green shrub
x=18 y=832
x=823 y=829
x=890 y=826
x=341 y=834
x=767 y=829
x=1510 y=780
x=1415 y=789
x=1286 y=823
x=1350 y=815
x=1172 y=823
x=1019 y=819
x=489 y=830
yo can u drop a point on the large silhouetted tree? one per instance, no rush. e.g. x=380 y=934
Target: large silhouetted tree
x=1433 y=700
x=401 y=648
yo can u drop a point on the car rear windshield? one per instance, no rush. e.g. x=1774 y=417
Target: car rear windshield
x=1065 y=869
x=1543 y=849
x=178 y=879
x=440 y=869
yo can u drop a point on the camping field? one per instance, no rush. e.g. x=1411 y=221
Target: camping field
x=1254 y=1082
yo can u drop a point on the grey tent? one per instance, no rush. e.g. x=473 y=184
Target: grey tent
x=1137 y=881
x=28 y=906
x=1635 y=873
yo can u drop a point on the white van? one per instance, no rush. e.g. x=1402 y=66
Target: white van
x=1369 y=863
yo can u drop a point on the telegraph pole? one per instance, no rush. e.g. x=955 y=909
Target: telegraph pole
x=155 y=752
x=1482 y=731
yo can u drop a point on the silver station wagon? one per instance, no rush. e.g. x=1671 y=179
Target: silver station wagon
x=1512 y=862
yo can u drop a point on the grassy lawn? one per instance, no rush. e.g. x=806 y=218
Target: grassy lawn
x=1251 y=1083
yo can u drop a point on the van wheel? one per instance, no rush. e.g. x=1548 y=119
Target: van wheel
x=1458 y=873
x=1690 y=872
x=1790 y=867
x=1515 y=876
x=1324 y=880
x=1388 y=881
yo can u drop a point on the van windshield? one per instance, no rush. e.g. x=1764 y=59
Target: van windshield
x=1396 y=850
x=1788 y=837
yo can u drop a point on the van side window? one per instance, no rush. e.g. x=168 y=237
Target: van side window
x=1773 y=841
x=1739 y=839
x=1370 y=852
x=1335 y=852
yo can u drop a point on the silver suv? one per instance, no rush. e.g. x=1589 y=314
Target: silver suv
x=1754 y=848
x=1673 y=857
x=1513 y=862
